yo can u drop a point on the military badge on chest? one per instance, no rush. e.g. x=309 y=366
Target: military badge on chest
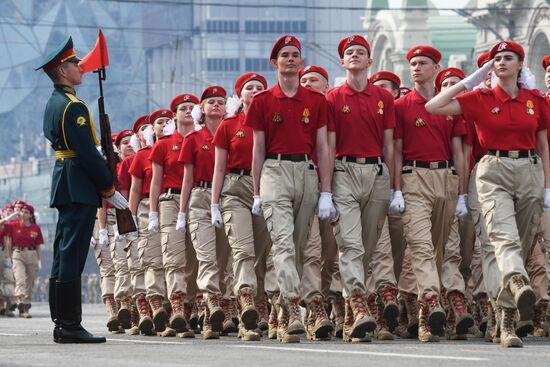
x=205 y=147
x=305 y=116
x=419 y=122
x=380 y=107
x=34 y=234
x=495 y=110
x=346 y=109
x=175 y=147
x=240 y=134
x=530 y=107
x=277 y=118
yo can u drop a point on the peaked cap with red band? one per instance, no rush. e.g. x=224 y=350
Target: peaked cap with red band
x=182 y=98
x=286 y=40
x=62 y=53
x=350 y=41
x=428 y=51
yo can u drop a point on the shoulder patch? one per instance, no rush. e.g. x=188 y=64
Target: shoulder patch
x=538 y=93
x=81 y=121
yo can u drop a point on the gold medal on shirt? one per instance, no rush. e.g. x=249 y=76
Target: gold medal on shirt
x=380 y=107
x=530 y=107
x=420 y=122
x=205 y=147
x=346 y=109
x=240 y=133
x=277 y=117
x=305 y=116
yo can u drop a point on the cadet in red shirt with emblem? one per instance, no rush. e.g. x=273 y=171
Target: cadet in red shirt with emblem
x=148 y=244
x=247 y=233
x=165 y=197
x=27 y=239
x=428 y=149
x=289 y=123
x=210 y=243
x=511 y=124
x=7 y=301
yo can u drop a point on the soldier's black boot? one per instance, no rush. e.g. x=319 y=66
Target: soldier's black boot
x=69 y=314
x=53 y=309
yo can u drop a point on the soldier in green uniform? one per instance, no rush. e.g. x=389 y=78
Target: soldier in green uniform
x=80 y=179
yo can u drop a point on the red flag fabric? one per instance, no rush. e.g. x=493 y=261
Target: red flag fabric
x=97 y=58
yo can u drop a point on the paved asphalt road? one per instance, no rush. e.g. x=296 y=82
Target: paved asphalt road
x=27 y=342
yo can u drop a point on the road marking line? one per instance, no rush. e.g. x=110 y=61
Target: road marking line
x=8 y=334
x=146 y=341
x=382 y=354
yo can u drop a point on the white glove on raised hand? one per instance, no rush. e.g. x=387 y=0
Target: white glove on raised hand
x=180 y=224
x=216 y=216
x=132 y=236
x=478 y=76
x=103 y=237
x=153 y=225
x=7 y=263
x=257 y=206
x=10 y=217
x=397 y=204
x=326 y=206
x=118 y=201
x=546 y=205
x=117 y=235
x=461 y=210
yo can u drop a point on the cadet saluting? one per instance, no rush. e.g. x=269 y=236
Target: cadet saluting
x=80 y=179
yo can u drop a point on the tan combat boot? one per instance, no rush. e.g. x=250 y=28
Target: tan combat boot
x=249 y=314
x=124 y=314
x=338 y=313
x=319 y=326
x=524 y=297
x=188 y=309
x=402 y=320
x=26 y=314
x=215 y=313
x=110 y=305
x=177 y=320
x=436 y=316
x=295 y=325
x=207 y=332
x=263 y=315
x=160 y=316
x=228 y=325
x=540 y=311
x=376 y=309
x=547 y=319
x=424 y=333
x=273 y=323
x=508 y=337
x=483 y=305
x=412 y=307
x=388 y=296
x=283 y=319
x=452 y=334
x=491 y=323
x=349 y=321
x=201 y=306
x=145 y=324
x=134 y=320
x=462 y=318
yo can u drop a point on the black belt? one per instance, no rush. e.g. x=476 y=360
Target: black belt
x=173 y=191
x=512 y=153
x=204 y=184
x=24 y=249
x=367 y=160
x=289 y=157
x=241 y=172
x=430 y=165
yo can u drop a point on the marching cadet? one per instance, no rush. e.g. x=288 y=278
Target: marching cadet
x=232 y=199
x=210 y=242
x=137 y=274
x=428 y=157
x=511 y=125
x=26 y=241
x=289 y=123
x=148 y=243
x=361 y=141
x=80 y=179
x=7 y=282
x=165 y=198
x=321 y=251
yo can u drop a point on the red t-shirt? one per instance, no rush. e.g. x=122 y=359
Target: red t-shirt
x=426 y=137
x=166 y=153
x=124 y=177
x=141 y=168
x=198 y=150
x=290 y=123
x=5 y=231
x=359 y=119
x=238 y=140
x=503 y=123
x=472 y=140
x=26 y=237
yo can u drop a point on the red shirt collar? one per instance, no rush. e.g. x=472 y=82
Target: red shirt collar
x=278 y=93
x=505 y=97
x=350 y=91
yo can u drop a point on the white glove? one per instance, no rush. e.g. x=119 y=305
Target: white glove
x=216 y=216
x=103 y=237
x=118 y=201
x=326 y=206
x=546 y=206
x=10 y=217
x=180 y=224
x=39 y=264
x=7 y=263
x=92 y=242
x=478 y=76
x=257 y=206
x=397 y=204
x=153 y=226
x=132 y=236
x=117 y=235
x=461 y=210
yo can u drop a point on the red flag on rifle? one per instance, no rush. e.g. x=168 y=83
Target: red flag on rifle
x=98 y=58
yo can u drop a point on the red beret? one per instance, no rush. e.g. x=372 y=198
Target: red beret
x=142 y=120
x=545 y=62
x=427 y=51
x=9 y=206
x=508 y=46
x=121 y=135
x=213 y=91
x=286 y=40
x=385 y=75
x=182 y=98
x=245 y=78
x=447 y=73
x=29 y=207
x=162 y=112
x=483 y=59
x=313 y=69
x=350 y=41
x=19 y=202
